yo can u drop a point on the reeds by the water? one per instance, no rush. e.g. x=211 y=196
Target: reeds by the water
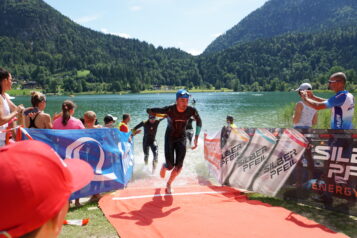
x=324 y=117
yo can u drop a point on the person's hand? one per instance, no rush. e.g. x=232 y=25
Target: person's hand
x=56 y=115
x=195 y=143
x=20 y=109
x=137 y=132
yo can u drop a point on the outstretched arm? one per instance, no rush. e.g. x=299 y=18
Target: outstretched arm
x=155 y=111
x=312 y=103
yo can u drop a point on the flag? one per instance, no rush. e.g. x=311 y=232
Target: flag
x=107 y=150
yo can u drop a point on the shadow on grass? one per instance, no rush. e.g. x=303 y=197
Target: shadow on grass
x=335 y=221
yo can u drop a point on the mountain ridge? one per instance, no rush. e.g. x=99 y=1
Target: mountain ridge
x=278 y=17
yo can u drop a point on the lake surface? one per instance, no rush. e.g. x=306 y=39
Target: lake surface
x=254 y=110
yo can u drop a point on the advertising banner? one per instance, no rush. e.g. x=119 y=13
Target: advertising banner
x=278 y=167
x=108 y=151
x=255 y=156
x=315 y=167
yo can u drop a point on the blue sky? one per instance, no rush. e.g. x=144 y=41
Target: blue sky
x=190 y=25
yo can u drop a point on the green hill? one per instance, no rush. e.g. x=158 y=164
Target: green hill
x=283 y=62
x=39 y=43
x=277 y=17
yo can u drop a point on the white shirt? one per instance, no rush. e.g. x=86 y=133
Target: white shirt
x=5 y=112
x=307 y=114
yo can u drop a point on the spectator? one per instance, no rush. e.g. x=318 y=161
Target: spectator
x=66 y=120
x=109 y=121
x=8 y=110
x=342 y=104
x=123 y=126
x=37 y=184
x=304 y=116
x=39 y=119
x=89 y=120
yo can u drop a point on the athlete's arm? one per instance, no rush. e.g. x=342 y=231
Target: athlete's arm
x=138 y=126
x=312 y=103
x=315 y=98
x=198 y=120
x=154 y=111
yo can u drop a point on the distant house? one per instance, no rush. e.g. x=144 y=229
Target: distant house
x=156 y=87
x=29 y=85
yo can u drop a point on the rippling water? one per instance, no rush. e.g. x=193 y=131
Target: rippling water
x=248 y=109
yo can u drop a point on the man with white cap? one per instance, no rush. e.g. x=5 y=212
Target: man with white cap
x=36 y=185
x=304 y=116
x=342 y=104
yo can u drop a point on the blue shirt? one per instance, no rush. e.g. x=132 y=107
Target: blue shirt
x=342 y=106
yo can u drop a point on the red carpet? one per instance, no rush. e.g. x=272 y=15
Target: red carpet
x=202 y=211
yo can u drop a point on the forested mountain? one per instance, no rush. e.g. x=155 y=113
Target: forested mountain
x=39 y=43
x=281 y=63
x=277 y=17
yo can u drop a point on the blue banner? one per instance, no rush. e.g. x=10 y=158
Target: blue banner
x=109 y=151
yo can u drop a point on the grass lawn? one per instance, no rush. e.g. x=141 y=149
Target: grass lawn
x=98 y=225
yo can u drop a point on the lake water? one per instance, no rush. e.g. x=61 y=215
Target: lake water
x=255 y=110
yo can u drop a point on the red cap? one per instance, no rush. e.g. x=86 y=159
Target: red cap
x=35 y=184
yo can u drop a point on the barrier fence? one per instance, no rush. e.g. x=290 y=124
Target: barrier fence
x=315 y=167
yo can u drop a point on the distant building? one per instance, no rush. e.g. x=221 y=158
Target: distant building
x=29 y=85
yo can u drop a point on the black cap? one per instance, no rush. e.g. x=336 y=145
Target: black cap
x=230 y=118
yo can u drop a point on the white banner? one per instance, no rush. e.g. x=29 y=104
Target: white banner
x=255 y=156
x=232 y=149
x=281 y=163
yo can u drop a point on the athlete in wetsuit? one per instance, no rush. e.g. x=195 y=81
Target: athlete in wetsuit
x=175 y=137
x=149 y=141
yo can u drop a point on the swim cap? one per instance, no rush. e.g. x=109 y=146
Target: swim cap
x=182 y=93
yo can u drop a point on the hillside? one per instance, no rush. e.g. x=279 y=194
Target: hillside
x=283 y=62
x=37 y=42
x=277 y=17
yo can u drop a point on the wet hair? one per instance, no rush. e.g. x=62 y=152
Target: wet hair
x=36 y=98
x=125 y=116
x=90 y=115
x=66 y=107
x=339 y=75
x=230 y=118
x=4 y=74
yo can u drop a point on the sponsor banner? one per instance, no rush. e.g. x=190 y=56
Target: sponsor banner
x=255 y=156
x=213 y=153
x=233 y=143
x=315 y=167
x=107 y=150
x=281 y=163
x=327 y=174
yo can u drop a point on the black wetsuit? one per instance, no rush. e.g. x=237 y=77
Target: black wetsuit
x=149 y=140
x=189 y=130
x=175 y=136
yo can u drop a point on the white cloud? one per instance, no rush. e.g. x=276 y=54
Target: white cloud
x=86 y=19
x=194 y=51
x=135 y=8
x=216 y=35
x=124 y=35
